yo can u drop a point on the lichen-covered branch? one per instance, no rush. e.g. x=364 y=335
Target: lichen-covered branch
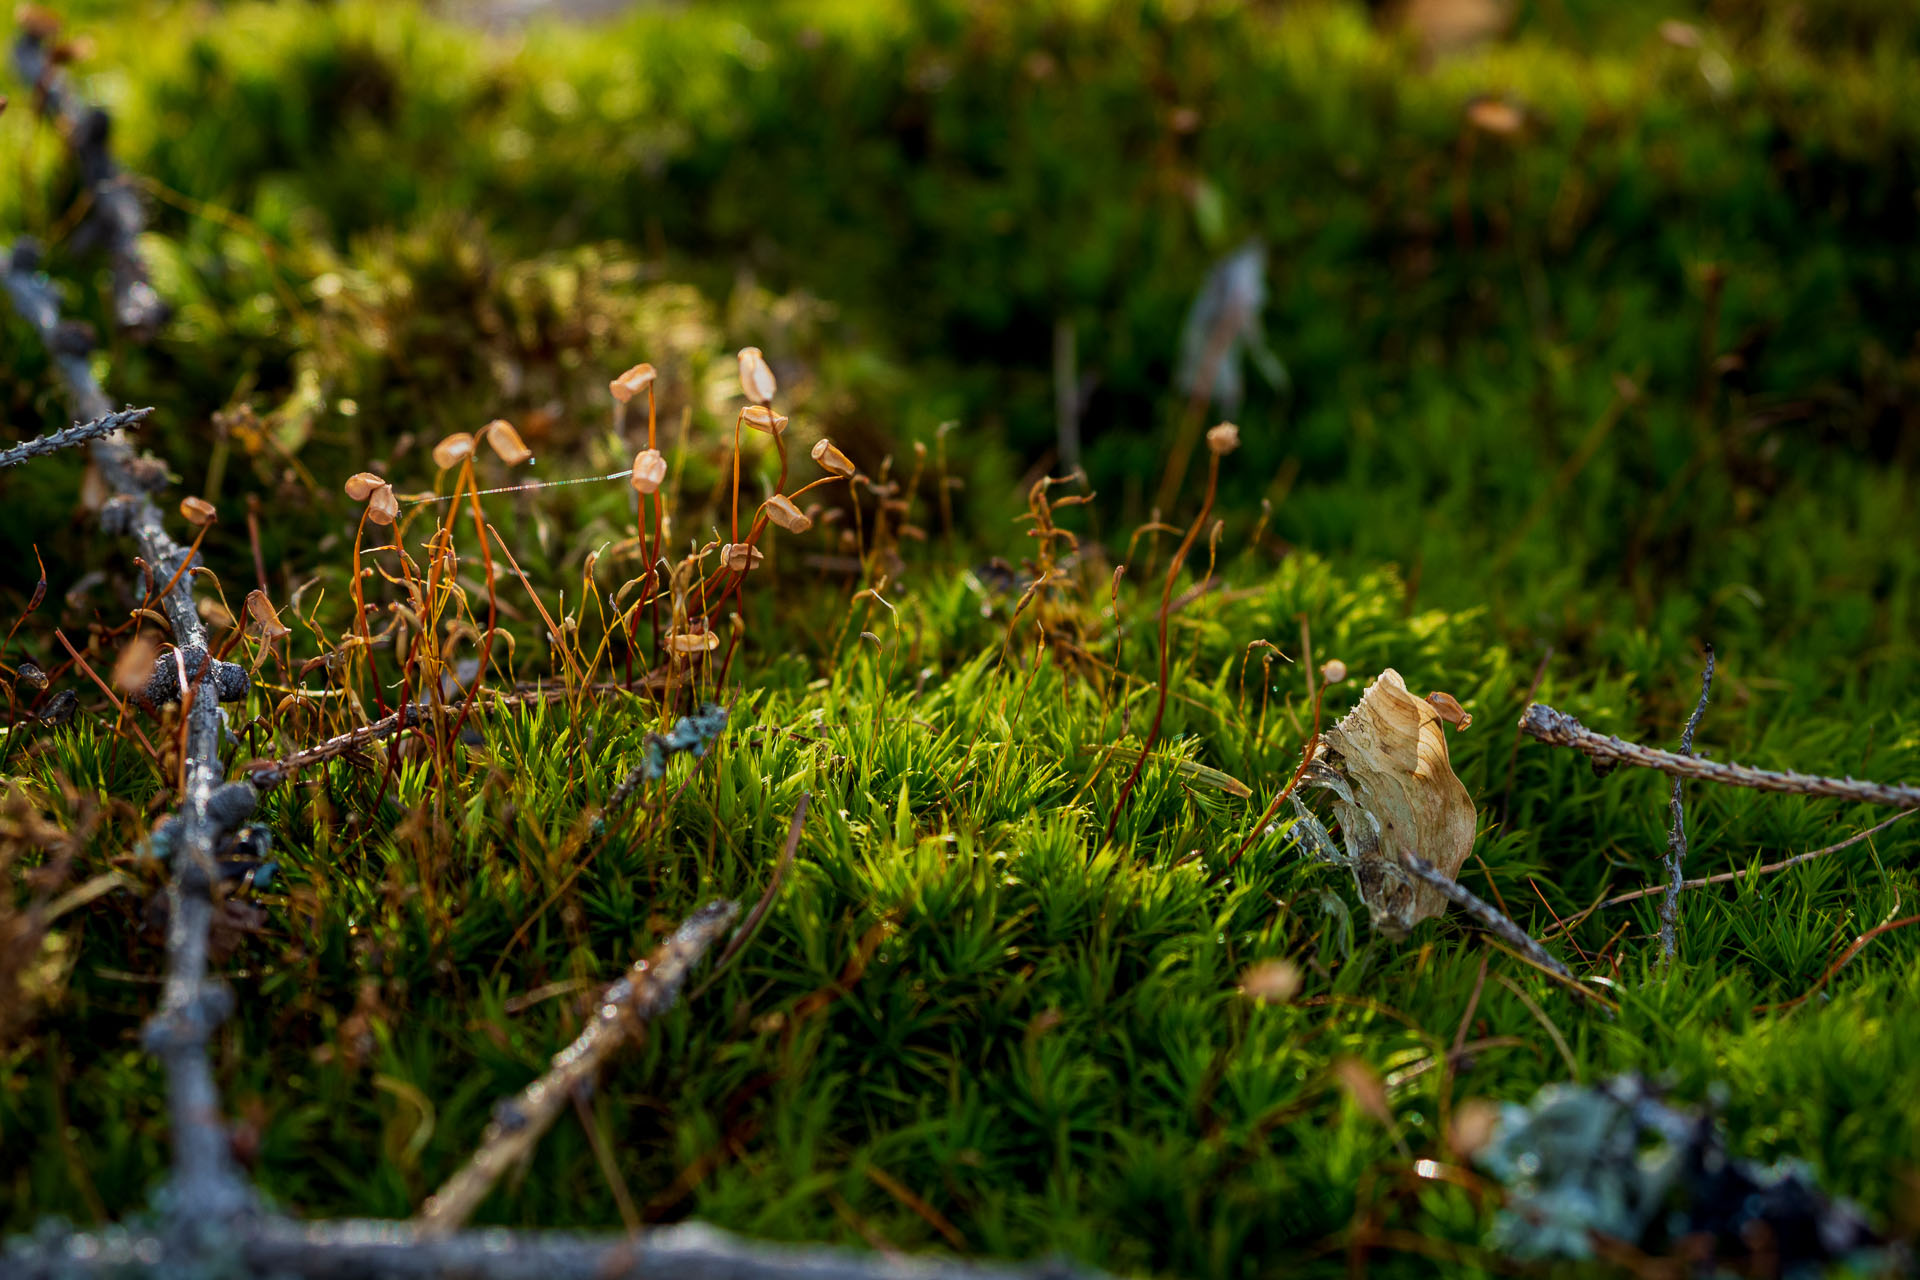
x=68 y=437
x=648 y=990
x=205 y=1184
x=114 y=219
x=1558 y=729
x=1677 y=833
x=361 y=1249
x=1491 y=918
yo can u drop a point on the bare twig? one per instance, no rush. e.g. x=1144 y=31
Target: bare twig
x=1490 y=917
x=413 y=715
x=1727 y=877
x=362 y=1249
x=1677 y=832
x=1558 y=729
x=206 y=1186
x=649 y=989
x=114 y=218
x=67 y=437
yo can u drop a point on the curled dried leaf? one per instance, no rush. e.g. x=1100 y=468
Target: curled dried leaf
x=781 y=511
x=632 y=382
x=827 y=456
x=360 y=487
x=264 y=616
x=761 y=418
x=741 y=556
x=453 y=450
x=198 y=512
x=756 y=375
x=506 y=442
x=649 y=470
x=1394 y=792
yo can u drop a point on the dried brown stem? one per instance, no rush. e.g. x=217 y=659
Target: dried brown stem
x=1558 y=729
x=650 y=988
x=1166 y=605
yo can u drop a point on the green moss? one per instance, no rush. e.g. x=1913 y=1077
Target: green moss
x=962 y=984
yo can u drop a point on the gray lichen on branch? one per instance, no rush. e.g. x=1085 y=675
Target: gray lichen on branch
x=68 y=437
x=1558 y=729
x=205 y=1182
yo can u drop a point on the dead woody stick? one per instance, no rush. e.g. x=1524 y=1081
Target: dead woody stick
x=67 y=437
x=1491 y=918
x=1677 y=833
x=1558 y=729
x=205 y=1185
x=114 y=218
x=649 y=990
x=361 y=1249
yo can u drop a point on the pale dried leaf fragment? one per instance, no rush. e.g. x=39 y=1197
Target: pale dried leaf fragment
x=1395 y=793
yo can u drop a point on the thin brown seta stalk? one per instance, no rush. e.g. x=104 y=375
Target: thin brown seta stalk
x=1227 y=439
